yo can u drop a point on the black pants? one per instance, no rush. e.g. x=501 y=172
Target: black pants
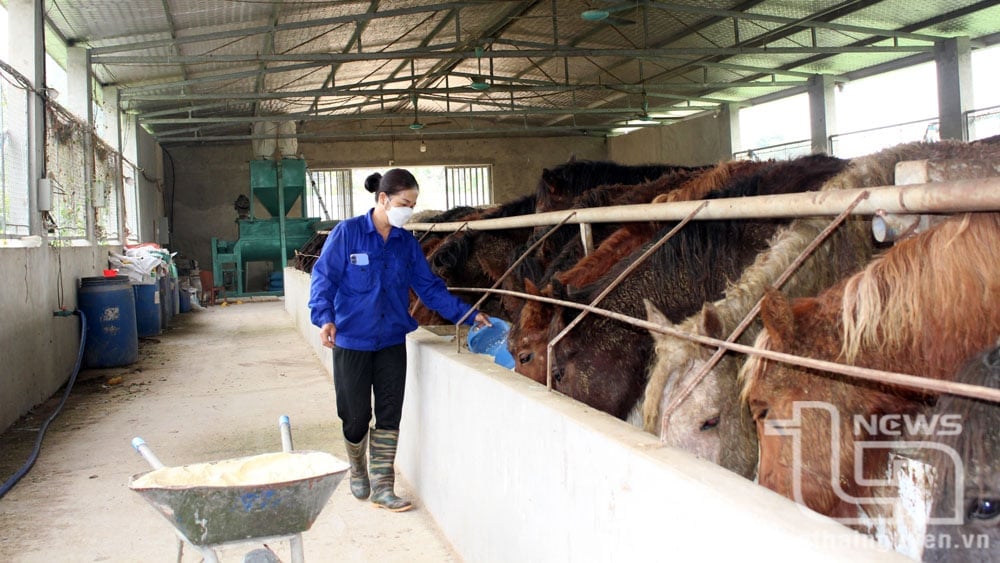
x=356 y=375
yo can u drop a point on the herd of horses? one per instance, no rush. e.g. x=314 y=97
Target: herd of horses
x=928 y=305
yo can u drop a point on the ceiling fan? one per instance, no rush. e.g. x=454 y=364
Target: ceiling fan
x=417 y=125
x=608 y=14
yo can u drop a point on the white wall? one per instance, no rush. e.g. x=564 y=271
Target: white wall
x=512 y=472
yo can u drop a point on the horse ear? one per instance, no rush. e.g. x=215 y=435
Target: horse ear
x=557 y=289
x=572 y=158
x=654 y=315
x=549 y=180
x=530 y=288
x=776 y=313
x=710 y=323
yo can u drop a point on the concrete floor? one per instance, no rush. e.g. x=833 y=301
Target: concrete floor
x=210 y=387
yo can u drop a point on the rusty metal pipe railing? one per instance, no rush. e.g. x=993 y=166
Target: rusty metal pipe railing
x=955 y=196
x=893 y=378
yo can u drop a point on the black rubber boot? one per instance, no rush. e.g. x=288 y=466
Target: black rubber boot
x=383 y=473
x=356 y=453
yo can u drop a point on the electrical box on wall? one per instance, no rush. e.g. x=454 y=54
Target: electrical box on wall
x=163 y=231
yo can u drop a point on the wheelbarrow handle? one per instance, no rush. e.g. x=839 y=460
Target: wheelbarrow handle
x=285 y=426
x=140 y=446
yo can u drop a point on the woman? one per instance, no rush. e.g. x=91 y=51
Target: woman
x=360 y=301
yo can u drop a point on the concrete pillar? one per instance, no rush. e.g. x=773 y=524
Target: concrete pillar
x=729 y=130
x=78 y=99
x=822 y=112
x=954 y=82
x=111 y=128
x=26 y=50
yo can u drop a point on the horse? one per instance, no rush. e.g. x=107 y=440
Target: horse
x=478 y=258
x=710 y=421
x=603 y=362
x=429 y=242
x=564 y=248
x=909 y=311
x=977 y=487
x=559 y=186
x=527 y=339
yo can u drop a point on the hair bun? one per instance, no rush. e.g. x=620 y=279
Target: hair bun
x=372 y=182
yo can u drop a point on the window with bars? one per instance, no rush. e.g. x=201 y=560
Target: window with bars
x=468 y=185
x=65 y=162
x=107 y=173
x=330 y=194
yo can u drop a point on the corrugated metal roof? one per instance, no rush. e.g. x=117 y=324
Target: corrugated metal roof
x=197 y=70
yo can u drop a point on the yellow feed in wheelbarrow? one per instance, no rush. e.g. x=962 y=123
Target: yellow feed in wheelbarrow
x=260 y=469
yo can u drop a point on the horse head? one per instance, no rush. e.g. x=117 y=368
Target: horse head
x=529 y=336
x=711 y=422
x=805 y=418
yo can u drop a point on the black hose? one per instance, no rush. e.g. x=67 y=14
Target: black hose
x=9 y=483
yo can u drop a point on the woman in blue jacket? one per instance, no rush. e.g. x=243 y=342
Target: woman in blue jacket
x=360 y=300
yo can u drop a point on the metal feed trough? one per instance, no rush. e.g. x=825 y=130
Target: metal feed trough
x=242 y=499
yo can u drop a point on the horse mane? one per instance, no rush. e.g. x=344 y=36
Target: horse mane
x=603 y=196
x=928 y=286
x=455 y=249
x=574 y=177
x=524 y=205
x=711 y=180
x=625 y=240
x=453 y=214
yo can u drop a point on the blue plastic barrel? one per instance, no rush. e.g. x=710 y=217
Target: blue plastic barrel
x=147 y=309
x=185 y=304
x=112 y=335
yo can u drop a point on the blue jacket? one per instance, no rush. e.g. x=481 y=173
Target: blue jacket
x=361 y=284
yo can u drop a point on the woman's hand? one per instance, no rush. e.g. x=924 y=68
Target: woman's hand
x=482 y=320
x=327 y=334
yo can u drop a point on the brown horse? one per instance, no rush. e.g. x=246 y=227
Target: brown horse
x=603 y=362
x=478 y=258
x=528 y=335
x=908 y=311
x=973 y=486
x=429 y=242
x=700 y=424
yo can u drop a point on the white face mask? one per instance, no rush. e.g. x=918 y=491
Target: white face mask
x=398 y=216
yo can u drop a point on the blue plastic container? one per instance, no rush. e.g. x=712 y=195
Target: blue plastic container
x=147 y=309
x=185 y=304
x=492 y=340
x=112 y=334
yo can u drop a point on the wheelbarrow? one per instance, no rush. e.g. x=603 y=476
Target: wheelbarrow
x=274 y=496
